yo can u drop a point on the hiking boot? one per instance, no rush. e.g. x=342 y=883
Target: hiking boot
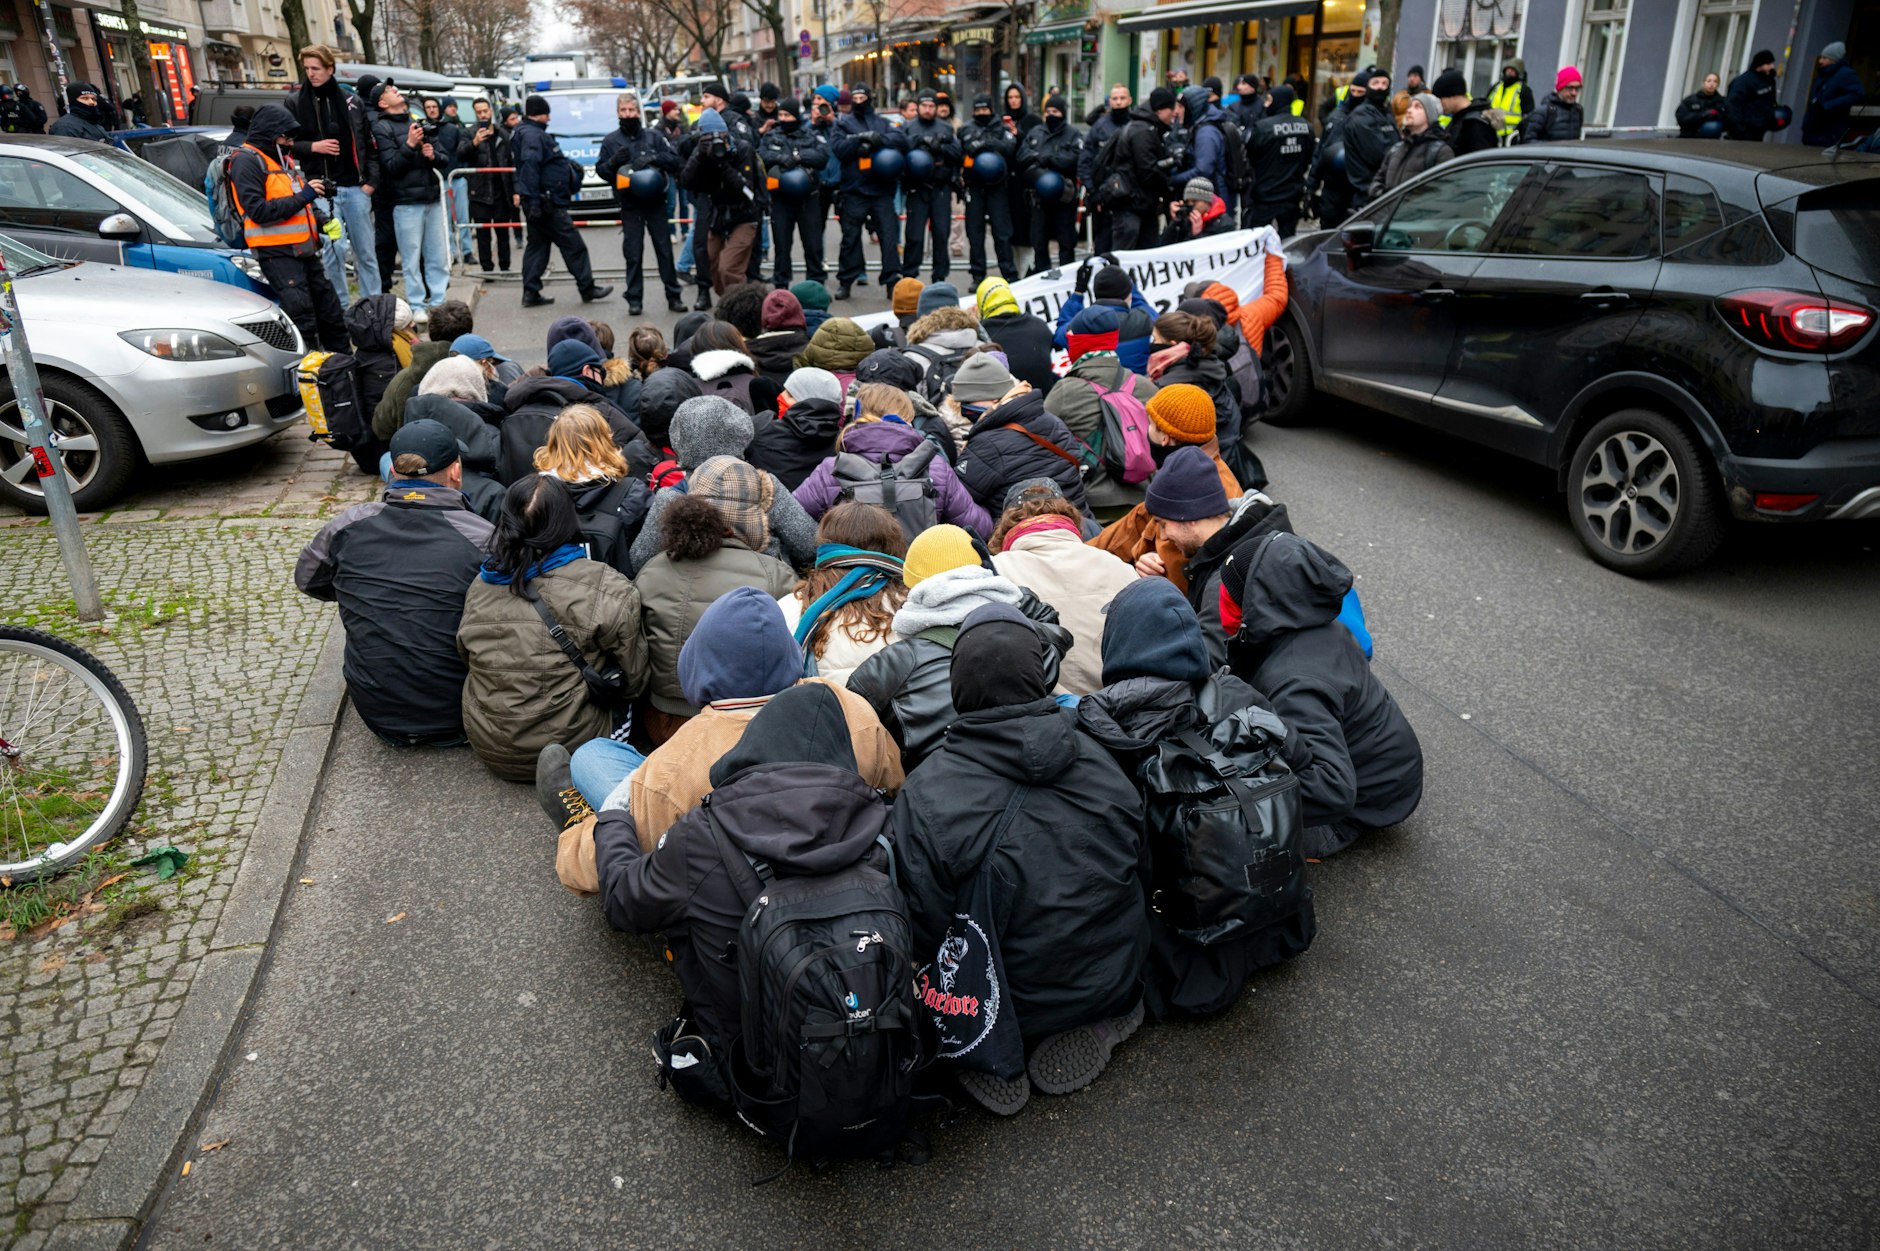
x=1072 y=1060
x=996 y=1095
x=555 y=789
x=844 y=293
x=704 y=304
x=675 y=306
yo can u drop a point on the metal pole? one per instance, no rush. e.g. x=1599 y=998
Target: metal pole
x=53 y=54
x=47 y=462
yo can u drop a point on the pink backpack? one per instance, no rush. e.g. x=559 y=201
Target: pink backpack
x=1122 y=442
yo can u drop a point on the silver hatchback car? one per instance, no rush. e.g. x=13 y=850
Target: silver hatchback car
x=141 y=367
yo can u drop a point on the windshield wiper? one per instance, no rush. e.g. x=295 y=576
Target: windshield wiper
x=41 y=268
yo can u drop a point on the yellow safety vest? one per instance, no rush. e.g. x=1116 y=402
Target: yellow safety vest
x=1298 y=108
x=1507 y=97
x=282 y=182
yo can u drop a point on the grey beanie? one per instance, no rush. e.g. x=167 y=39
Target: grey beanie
x=1199 y=190
x=810 y=383
x=939 y=295
x=1432 y=108
x=982 y=379
x=709 y=425
x=1836 y=51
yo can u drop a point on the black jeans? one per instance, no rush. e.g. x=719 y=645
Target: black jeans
x=702 y=214
x=637 y=224
x=929 y=212
x=1131 y=229
x=306 y=295
x=989 y=205
x=1102 y=229
x=876 y=209
x=492 y=213
x=1058 y=221
x=805 y=217
x=553 y=224
x=384 y=242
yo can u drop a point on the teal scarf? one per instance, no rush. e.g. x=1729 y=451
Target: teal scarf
x=868 y=572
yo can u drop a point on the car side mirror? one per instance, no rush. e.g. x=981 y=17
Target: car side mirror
x=1358 y=239
x=120 y=226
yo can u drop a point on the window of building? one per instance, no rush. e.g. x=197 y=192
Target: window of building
x=1719 y=41
x=1477 y=38
x=1602 y=44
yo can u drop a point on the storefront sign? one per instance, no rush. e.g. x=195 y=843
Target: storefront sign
x=151 y=30
x=975 y=34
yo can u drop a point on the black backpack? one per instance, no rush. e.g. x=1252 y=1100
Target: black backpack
x=903 y=487
x=614 y=521
x=1110 y=184
x=1239 y=172
x=829 y=1042
x=329 y=391
x=937 y=382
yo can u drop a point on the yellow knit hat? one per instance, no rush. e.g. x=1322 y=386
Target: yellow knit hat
x=995 y=297
x=936 y=550
x=906 y=300
x=1183 y=412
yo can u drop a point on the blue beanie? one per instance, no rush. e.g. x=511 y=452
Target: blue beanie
x=1186 y=488
x=570 y=357
x=828 y=92
x=939 y=295
x=1096 y=319
x=709 y=121
x=1151 y=631
x=740 y=649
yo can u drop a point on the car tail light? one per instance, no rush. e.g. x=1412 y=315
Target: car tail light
x=1794 y=322
x=1782 y=502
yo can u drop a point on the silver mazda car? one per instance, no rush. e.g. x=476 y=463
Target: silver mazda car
x=141 y=367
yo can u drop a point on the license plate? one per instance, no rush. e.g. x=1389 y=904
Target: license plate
x=292 y=374
x=596 y=193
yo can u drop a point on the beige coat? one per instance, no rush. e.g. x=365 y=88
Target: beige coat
x=1077 y=580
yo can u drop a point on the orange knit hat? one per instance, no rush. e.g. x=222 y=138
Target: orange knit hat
x=1183 y=412
x=907 y=296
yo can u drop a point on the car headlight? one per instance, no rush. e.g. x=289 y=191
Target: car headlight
x=250 y=267
x=182 y=345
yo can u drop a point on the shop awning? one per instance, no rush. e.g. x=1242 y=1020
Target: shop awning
x=1208 y=12
x=1060 y=33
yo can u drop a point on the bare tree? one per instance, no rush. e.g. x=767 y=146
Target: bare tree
x=703 y=23
x=294 y=14
x=363 y=14
x=478 y=37
x=635 y=38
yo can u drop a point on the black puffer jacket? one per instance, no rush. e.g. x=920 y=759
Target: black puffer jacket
x=531 y=407
x=1253 y=515
x=1026 y=341
x=1555 y=121
x=409 y=176
x=995 y=459
x=786 y=794
x=1068 y=886
x=1472 y=130
x=798 y=441
x=775 y=352
x=623 y=151
x=1359 y=763
x=660 y=396
x=1044 y=148
x=83 y=121
x=369 y=325
x=479 y=443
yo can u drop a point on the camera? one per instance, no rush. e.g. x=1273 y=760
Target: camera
x=429 y=128
x=715 y=144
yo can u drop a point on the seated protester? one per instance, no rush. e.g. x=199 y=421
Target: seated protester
x=524 y=691
x=883 y=430
x=1013 y=439
x=809 y=413
x=497 y=369
x=1244 y=380
x=1076 y=400
x=775 y=348
x=842 y=612
x=1039 y=545
x=533 y=403
x=660 y=396
x=619 y=385
x=904 y=302
x=1181 y=434
x=838 y=345
x=723 y=367
x=1255 y=317
x=738 y=657
x=743 y=307
x=941 y=339
x=815 y=298
x=1025 y=338
x=714 y=538
x=1185 y=353
x=610 y=500
x=788 y=793
x=1359 y=764
x=981 y=379
x=448 y=320
x=1159 y=683
x=646 y=352
x=384 y=339
x=398 y=568
x=1197 y=215
x=452 y=395
x=682 y=331
x=1017 y=790
x=937 y=296
x=709 y=426
x=1110 y=287
x=906 y=682
x=902 y=372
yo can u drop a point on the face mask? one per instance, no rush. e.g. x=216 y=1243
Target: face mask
x=982 y=119
x=1160 y=452
x=1119 y=116
x=1054 y=124
x=630 y=124
x=789 y=123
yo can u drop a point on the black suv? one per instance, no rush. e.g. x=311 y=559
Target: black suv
x=1676 y=326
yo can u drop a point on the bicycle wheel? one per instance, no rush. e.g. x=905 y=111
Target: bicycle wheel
x=71 y=753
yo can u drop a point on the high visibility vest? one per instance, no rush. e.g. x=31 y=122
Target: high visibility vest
x=1507 y=97
x=282 y=182
x=1298 y=108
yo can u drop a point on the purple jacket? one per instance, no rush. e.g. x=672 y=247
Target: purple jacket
x=874 y=438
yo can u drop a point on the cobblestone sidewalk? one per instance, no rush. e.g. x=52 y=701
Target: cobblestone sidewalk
x=207 y=632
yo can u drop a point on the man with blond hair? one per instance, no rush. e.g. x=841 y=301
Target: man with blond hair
x=334 y=142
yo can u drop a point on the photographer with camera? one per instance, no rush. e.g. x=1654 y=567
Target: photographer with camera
x=638 y=163
x=794 y=155
x=283 y=230
x=988 y=151
x=723 y=169
x=867 y=197
x=409 y=163
x=546 y=183
x=930 y=192
x=20 y=114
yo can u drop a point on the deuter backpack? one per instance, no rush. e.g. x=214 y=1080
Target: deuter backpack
x=329 y=390
x=218 y=185
x=828 y=1039
x=1122 y=445
x=903 y=487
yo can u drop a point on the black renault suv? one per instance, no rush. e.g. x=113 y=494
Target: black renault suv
x=1678 y=327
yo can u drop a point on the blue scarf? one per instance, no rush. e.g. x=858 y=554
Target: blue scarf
x=565 y=554
x=868 y=572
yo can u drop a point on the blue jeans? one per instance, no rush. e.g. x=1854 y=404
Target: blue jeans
x=600 y=765
x=354 y=209
x=460 y=244
x=424 y=245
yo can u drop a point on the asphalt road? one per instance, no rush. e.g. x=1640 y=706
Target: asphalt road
x=1614 y=984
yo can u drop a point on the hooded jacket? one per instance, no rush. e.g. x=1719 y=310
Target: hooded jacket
x=409 y=177
x=1250 y=517
x=83 y=121
x=1831 y=100
x=1359 y=763
x=660 y=396
x=838 y=345
x=734 y=376
x=676 y=593
x=1473 y=128
x=389 y=413
x=1208 y=152
x=819 y=492
x=788 y=794
x=331 y=113
x=532 y=405
x=249 y=172
x=1077 y=580
x=1210 y=374
x=369 y=325
x=522 y=692
x=775 y=351
x=997 y=458
x=798 y=441
x=1026 y=341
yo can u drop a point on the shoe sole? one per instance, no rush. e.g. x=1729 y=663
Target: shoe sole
x=1072 y=1060
x=995 y=1095
x=547 y=794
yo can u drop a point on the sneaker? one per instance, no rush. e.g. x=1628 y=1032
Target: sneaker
x=1072 y=1060
x=996 y=1095
x=555 y=789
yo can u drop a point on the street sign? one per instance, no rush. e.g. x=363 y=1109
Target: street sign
x=805 y=46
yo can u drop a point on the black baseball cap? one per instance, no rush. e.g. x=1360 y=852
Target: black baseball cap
x=429 y=439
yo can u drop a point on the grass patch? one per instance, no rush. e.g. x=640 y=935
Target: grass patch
x=29 y=905
x=139 y=610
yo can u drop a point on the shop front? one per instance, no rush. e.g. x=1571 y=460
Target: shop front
x=173 y=67
x=1057 y=46
x=1318 y=39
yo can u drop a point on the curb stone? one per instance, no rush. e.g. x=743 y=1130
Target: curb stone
x=151 y=1141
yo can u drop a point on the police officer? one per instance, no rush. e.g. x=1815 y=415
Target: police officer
x=634 y=148
x=1280 y=152
x=988 y=198
x=1052 y=149
x=865 y=198
x=794 y=153
x=930 y=198
x=544 y=189
x=20 y=114
x=1512 y=98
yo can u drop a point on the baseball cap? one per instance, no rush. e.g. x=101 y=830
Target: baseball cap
x=430 y=439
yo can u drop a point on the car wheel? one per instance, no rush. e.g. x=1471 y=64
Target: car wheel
x=1288 y=376
x=96 y=443
x=1643 y=496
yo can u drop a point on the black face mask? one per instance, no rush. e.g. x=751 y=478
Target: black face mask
x=982 y=119
x=1119 y=116
x=631 y=125
x=1053 y=124
x=1160 y=452
x=789 y=123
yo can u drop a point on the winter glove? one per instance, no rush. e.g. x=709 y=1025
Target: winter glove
x=1083 y=278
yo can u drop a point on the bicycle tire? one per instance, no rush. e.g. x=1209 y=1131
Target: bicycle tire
x=127 y=727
